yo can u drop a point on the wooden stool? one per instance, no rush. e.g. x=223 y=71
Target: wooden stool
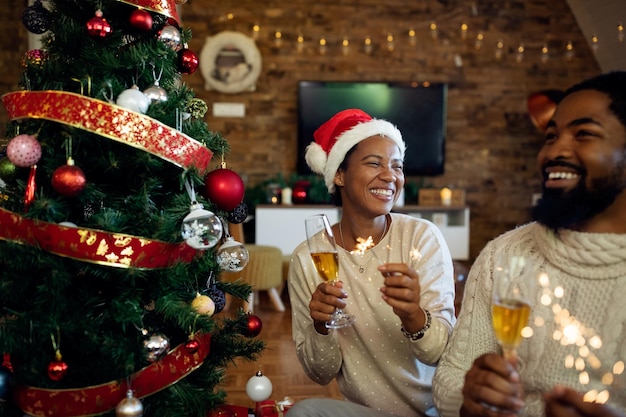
x=264 y=272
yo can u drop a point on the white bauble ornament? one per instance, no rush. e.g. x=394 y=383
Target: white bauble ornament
x=68 y=224
x=134 y=99
x=232 y=256
x=201 y=229
x=259 y=387
x=129 y=406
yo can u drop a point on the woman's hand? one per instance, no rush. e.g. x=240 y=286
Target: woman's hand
x=566 y=402
x=326 y=298
x=492 y=388
x=402 y=292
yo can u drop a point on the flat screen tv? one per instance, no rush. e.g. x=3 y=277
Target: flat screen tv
x=417 y=109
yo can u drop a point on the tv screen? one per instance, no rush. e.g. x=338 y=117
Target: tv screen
x=417 y=109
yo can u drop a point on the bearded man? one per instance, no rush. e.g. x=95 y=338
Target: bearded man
x=571 y=363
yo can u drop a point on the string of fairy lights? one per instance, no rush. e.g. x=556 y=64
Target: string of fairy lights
x=346 y=45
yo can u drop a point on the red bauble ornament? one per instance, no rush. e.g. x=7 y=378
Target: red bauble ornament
x=57 y=370
x=187 y=61
x=224 y=187
x=98 y=27
x=253 y=326
x=140 y=19
x=192 y=346
x=68 y=180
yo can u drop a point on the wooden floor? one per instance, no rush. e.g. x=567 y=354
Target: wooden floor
x=278 y=361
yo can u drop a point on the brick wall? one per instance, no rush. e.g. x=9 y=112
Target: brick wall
x=491 y=142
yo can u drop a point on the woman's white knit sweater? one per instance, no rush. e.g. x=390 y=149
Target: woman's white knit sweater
x=591 y=270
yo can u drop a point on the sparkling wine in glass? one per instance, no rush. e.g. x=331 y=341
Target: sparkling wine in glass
x=324 y=254
x=513 y=289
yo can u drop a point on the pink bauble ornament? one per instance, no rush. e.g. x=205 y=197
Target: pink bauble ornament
x=141 y=20
x=24 y=150
x=98 y=27
x=224 y=187
x=68 y=180
x=34 y=57
x=187 y=61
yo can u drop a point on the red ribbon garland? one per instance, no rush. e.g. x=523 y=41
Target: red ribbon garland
x=94 y=246
x=110 y=121
x=88 y=401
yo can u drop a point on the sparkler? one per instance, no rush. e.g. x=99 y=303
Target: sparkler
x=571 y=331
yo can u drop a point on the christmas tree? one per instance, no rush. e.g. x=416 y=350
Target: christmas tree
x=114 y=205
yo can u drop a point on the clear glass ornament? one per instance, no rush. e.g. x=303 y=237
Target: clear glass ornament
x=232 y=256
x=201 y=229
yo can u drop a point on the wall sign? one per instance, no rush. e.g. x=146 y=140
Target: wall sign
x=230 y=62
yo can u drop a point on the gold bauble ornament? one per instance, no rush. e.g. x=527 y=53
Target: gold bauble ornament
x=129 y=406
x=203 y=305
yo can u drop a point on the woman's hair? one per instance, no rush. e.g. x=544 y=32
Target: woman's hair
x=336 y=196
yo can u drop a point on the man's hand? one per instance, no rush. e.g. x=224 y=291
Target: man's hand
x=492 y=388
x=566 y=402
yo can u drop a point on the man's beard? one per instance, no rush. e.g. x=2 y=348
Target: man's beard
x=560 y=208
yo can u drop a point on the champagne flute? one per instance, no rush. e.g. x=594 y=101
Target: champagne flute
x=324 y=253
x=513 y=290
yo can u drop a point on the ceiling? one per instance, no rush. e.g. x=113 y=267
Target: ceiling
x=601 y=18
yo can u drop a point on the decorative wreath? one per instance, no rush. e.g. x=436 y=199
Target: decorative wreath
x=230 y=79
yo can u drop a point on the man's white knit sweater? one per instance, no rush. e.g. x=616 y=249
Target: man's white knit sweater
x=591 y=269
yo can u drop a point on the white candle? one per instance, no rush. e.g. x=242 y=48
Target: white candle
x=446 y=196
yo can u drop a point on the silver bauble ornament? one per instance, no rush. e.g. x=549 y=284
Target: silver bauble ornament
x=155 y=93
x=156 y=345
x=170 y=36
x=134 y=99
x=232 y=256
x=129 y=406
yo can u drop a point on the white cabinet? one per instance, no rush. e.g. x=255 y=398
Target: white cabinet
x=453 y=223
x=283 y=225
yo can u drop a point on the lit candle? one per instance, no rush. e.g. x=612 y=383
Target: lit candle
x=446 y=196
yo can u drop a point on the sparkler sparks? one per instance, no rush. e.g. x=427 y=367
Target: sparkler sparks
x=571 y=332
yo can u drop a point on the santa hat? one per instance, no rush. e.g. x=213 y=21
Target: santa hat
x=337 y=136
